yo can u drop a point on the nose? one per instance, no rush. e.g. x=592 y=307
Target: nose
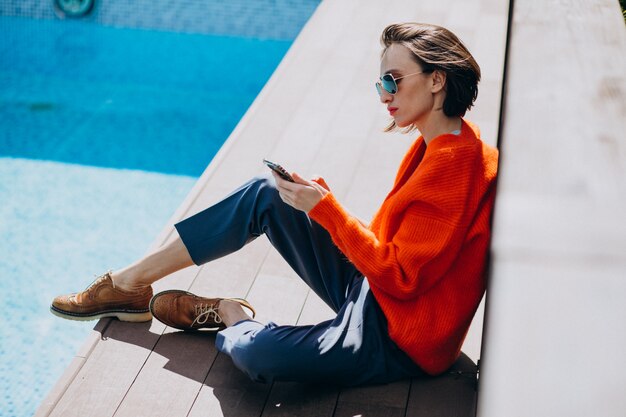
x=384 y=96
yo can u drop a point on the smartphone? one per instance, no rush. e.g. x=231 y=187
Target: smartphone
x=282 y=172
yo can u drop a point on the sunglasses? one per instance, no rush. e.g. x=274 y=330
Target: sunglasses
x=389 y=84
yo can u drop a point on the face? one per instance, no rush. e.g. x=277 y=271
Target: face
x=414 y=99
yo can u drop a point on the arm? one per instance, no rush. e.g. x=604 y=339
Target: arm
x=413 y=248
x=417 y=255
x=302 y=194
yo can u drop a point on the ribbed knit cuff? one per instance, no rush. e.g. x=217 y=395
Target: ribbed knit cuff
x=327 y=212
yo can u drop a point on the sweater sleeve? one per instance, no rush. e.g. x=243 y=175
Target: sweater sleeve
x=423 y=239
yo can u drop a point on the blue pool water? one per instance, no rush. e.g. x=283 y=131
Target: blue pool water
x=103 y=131
x=156 y=101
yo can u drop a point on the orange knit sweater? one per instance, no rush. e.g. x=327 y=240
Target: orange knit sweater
x=424 y=252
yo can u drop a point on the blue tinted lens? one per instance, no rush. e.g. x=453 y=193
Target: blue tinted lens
x=389 y=84
x=380 y=93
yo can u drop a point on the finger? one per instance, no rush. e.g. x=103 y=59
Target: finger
x=280 y=182
x=276 y=177
x=299 y=180
x=283 y=192
x=320 y=181
x=290 y=186
x=319 y=188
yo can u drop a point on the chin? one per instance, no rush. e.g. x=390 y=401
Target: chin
x=400 y=123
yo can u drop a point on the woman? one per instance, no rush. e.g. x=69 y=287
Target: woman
x=405 y=287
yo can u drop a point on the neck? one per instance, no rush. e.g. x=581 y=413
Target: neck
x=437 y=124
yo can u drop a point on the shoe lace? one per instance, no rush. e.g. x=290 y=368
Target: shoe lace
x=96 y=281
x=204 y=313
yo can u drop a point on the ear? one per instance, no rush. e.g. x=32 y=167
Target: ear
x=439 y=81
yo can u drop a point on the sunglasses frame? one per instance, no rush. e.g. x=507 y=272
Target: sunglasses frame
x=380 y=86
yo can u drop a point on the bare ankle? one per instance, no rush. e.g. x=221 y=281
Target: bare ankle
x=232 y=313
x=126 y=283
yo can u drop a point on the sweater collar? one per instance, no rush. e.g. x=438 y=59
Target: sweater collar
x=469 y=132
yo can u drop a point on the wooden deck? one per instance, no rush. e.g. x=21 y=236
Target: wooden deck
x=554 y=339
x=318 y=114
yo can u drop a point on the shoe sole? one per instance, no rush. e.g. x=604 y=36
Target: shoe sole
x=140 y=316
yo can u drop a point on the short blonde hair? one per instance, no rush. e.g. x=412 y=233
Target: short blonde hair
x=436 y=48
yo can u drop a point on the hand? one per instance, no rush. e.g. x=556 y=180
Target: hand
x=301 y=194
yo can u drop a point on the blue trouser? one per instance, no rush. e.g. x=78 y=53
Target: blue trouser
x=352 y=349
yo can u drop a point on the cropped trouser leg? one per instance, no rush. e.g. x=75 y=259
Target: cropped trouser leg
x=354 y=348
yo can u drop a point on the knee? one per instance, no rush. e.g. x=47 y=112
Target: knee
x=255 y=355
x=265 y=187
x=265 y=182
x=254 y=361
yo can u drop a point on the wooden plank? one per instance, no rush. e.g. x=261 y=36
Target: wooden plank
x=277 y=294
x=225 y=389
x=377 y=400
x=228 y=392
x=315 y=310
x=555 y=320
x=294 y=399
x=101 y=384
x=52 y=398
x=452 y=394
x=563 y=184
x=169 y=383
x=278 y=298
x=118 y=362
x=559 y=243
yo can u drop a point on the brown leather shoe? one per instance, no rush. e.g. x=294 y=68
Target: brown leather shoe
x=186 y=311
x=102 y=299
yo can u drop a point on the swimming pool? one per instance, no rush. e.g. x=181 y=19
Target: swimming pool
x=103 y=131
